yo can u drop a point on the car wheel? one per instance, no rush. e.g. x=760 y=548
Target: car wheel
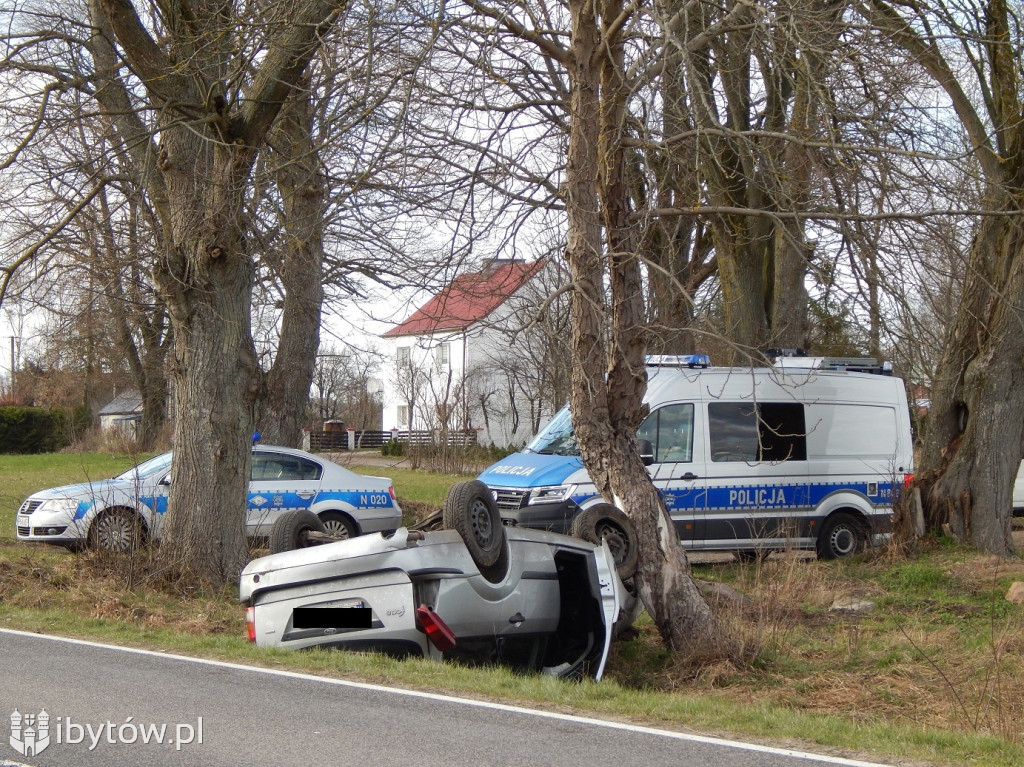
x=840 y=536
x=291 y=529
x=338 y=525
x=116 y=531
x=470 y=510
x=604 y=522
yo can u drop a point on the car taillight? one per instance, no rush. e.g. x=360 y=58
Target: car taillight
x=437 y=632
x=250 y=623
x=391 y=492
x=908 y=480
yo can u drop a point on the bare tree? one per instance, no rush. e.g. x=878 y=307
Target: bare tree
x=975 y=438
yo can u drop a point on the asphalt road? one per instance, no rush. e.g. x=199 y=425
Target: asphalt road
x=99 y=697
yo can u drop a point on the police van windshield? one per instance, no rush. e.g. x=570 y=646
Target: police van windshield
x=557 y=438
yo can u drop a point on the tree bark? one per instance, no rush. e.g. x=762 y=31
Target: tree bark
x=609 y=377
x=198 y=177
x=975 y=434
x=284 y=394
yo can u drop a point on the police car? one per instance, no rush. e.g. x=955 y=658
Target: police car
x=106 y=514
x=810 y=453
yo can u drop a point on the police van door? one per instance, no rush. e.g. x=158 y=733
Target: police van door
x=678 y=470
x=756 y=474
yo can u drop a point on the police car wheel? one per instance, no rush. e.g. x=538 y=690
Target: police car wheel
x=604 y=522
x=290 y=531
x=116 y=531
x=338 y=525
x=470 y=510
x=841 y=536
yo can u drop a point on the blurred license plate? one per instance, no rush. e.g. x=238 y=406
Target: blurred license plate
x=331 y=617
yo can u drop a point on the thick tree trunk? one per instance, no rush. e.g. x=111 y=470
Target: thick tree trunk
x=975 y=435
x=974 y=442
x=608 y=379
x=196 y=179
x=207 y=285
x=284 y=394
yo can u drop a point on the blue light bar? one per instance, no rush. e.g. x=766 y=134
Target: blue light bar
x=678 y=360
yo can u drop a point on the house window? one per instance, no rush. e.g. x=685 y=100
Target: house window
x=403 y=356
x=442 y=355
x=403 y=415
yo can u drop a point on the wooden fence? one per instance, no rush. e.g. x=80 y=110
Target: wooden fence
x=361 y=439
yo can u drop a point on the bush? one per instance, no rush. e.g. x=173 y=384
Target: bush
x=36 y=429
x=393 y=449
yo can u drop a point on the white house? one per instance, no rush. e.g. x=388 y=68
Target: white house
x=465 y=359
x=123 y=412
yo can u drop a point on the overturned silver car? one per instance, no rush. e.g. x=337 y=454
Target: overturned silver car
x=471 y=591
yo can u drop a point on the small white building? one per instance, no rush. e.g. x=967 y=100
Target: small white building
x=462 y=361
x=124 y=413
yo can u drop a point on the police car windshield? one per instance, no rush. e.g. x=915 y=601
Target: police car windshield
x=154 y=465
x=557 y=438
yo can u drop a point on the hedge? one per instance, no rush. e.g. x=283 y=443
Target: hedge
x=39 y=430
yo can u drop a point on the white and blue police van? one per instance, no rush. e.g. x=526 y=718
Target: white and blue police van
x=810 y=453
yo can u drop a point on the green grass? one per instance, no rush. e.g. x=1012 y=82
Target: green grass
x=935 y=674
x=418 y=486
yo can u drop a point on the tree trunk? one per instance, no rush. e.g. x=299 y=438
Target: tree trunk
x=207 y=285
x=975 y=435
x=284 y=394
x=608 y=379
x=197 y=179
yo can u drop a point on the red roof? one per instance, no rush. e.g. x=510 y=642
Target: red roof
x=468 y=299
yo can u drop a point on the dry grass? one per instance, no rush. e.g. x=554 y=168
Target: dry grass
x=92 y=586
x=940 y=649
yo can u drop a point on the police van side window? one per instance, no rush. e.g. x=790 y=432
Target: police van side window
x=770 y=431
x=670 y=431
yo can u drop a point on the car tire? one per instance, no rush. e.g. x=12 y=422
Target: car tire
x=470 y=510
x=116 y=531
x=290 y=529
x=841 y=536
x=604 y=522
x=338 y=525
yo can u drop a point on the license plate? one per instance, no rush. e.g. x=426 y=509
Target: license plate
x=332 y=617
x=22 y=521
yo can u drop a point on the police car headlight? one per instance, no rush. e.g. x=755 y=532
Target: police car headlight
x=66 y=506
x=550 y=494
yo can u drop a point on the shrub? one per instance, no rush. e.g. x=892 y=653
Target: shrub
x=392 y=448
x=35 y=429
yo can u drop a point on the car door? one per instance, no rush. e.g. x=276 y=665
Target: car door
x=279 y=482
x=756 y=474
x=678 y=469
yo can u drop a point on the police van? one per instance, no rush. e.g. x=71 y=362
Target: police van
x=810 y=453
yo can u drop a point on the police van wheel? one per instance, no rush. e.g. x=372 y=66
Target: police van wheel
x=604 y=522
x=841 y=536
x=291 y=529
x=470 y=510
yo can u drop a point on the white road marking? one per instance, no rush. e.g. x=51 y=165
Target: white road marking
x=464 y=702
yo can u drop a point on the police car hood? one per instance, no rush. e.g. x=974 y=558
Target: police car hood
x=531 y=470
x=85 y=490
